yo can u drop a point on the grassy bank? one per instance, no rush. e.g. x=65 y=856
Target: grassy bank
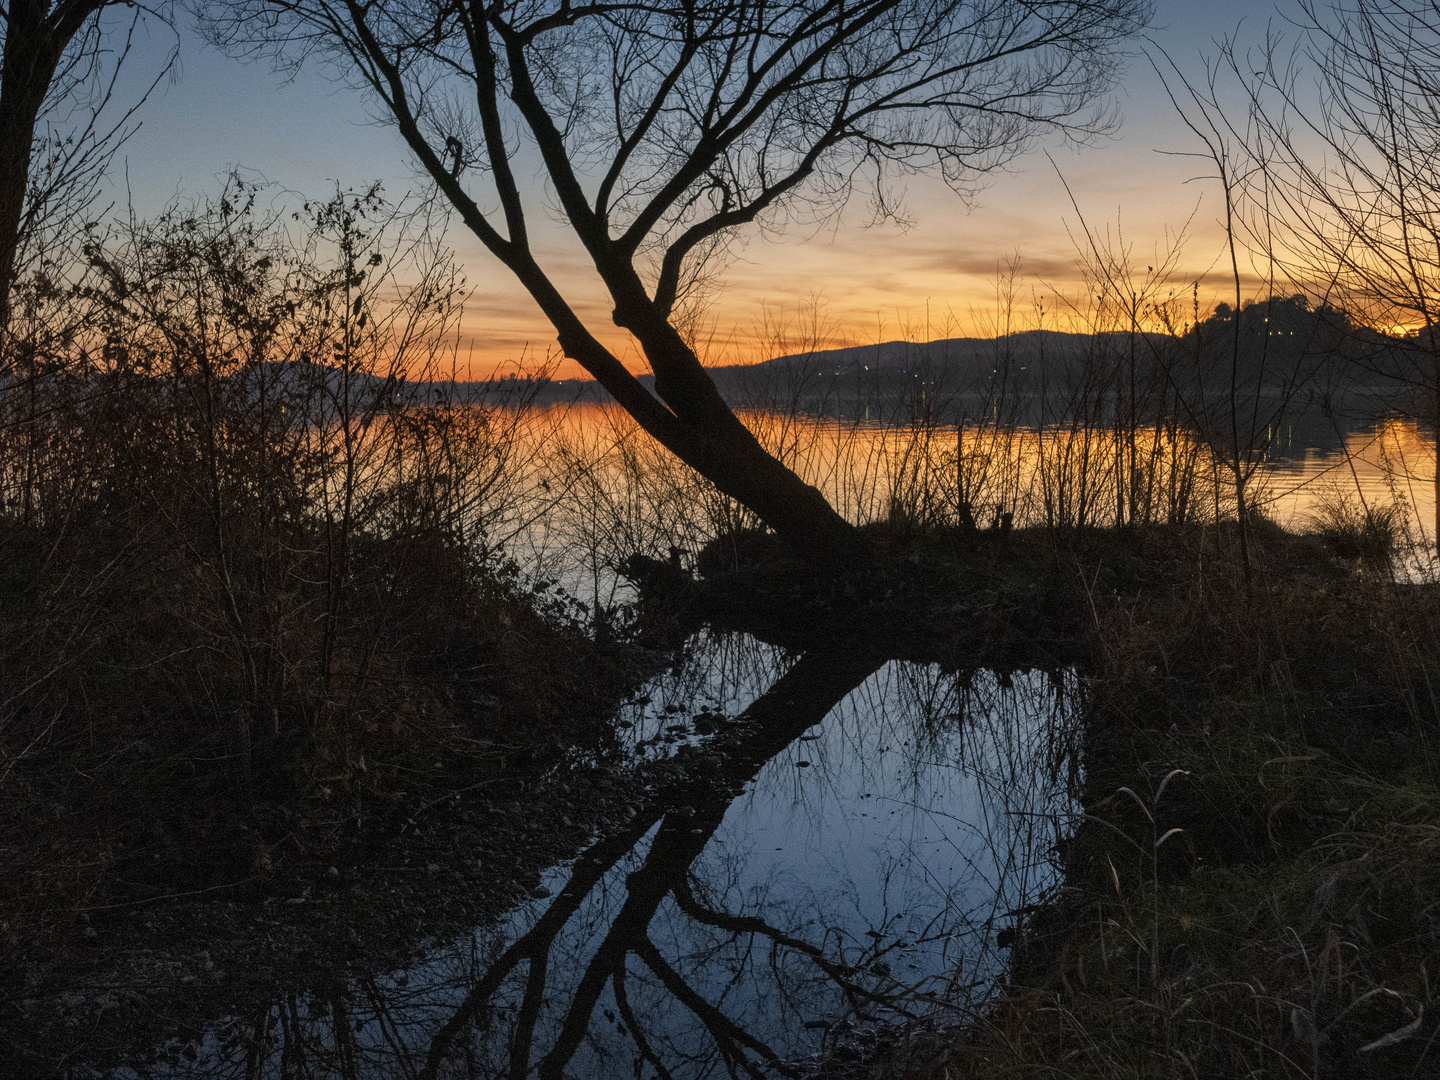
x=1253 y=891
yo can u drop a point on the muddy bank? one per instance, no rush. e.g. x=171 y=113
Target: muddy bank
x=137 y=976
x=967 y=597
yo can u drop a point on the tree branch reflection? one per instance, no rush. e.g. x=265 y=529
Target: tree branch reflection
x=688 y=814
x=679 y=947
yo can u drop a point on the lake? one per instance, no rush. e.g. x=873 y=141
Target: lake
x=827 y=845
x=591 y=456
x=818 y=847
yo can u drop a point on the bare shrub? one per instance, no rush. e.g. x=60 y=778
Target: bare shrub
x=249 y=499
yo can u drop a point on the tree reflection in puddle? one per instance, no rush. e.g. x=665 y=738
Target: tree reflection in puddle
x=832 y=841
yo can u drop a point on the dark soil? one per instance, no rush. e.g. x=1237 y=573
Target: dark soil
x=979 y=598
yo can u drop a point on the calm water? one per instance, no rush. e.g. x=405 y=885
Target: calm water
x=1391 y=464
x=832 y=844
x=827 y=844
x=866 y=470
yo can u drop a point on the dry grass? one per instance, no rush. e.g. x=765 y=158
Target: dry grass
x=1254 y=889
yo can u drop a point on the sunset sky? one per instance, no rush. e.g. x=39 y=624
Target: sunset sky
x=936 y=278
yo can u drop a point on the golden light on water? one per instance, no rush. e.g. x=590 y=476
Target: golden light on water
x=1069 y=475
x=1391 y=465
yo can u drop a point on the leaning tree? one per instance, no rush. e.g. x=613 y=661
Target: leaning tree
x=664 y=128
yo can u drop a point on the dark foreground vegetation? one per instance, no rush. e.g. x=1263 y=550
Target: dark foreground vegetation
x=257 y=633
x=1251 y=891
x=1253 y=888
x=287 y=679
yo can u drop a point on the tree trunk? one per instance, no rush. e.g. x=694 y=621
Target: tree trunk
x=727 y=453
x=740 y=467
x=30 y=63
x=35 y=40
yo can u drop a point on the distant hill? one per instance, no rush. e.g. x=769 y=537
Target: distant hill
x=949 y=366
x=884 y=368
x=964 y=354
x=1316 y=364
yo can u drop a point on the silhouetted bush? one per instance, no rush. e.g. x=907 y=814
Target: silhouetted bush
x=250 y=519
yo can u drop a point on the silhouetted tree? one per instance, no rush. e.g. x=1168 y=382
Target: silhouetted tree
x=1342 y=172
x=58 y=64
x=664 y=128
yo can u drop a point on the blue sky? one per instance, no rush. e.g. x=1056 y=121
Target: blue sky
x=306 y=133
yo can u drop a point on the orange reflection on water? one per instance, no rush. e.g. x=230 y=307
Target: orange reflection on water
x=1390 y=465
x=933 y=473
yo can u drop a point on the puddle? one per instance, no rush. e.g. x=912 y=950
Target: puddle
x=833 y=843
